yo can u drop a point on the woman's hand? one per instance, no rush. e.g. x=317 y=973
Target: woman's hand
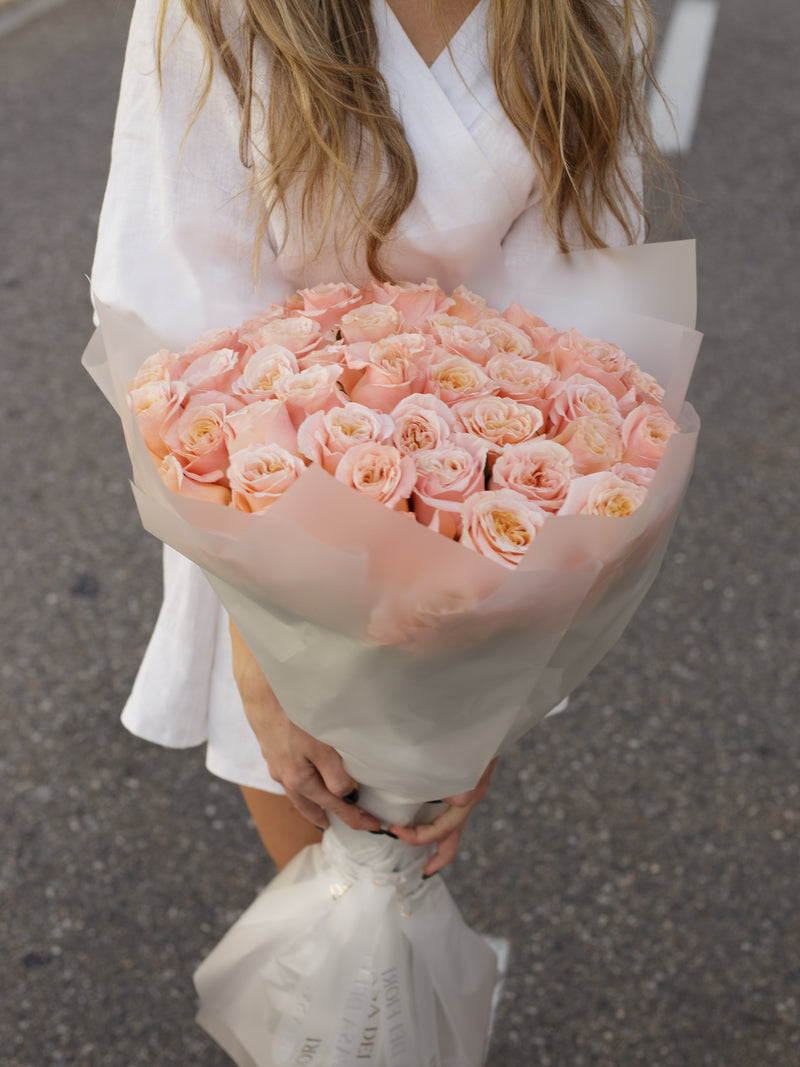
x=445 y=830
x=311 y=772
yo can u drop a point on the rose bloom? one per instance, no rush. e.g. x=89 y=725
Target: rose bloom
x=391 y=370
x=594 y=444
x=415 y=302
x=197 y=437
x=463 y=340
x=265 y=422
x=578 y=396
x=214 y=341
x=259 y=474
x=454 y=378
x=499 y=421
x=645 y=435
x=328 y=303
x=469 y=306
x=325 y=436
x=298 y=333
x=638 y=475
x=507 y=337
x=540 y=470
x=156 y=404
x=162 y=366
x=601 y=360
x=379 y=471
x=643 y=384
x=603 y=493
x=543 y=337
x=176 y=479
x=313 y=389
x=371 y=322
x=446 y=476
x=212 y=371
x=421 y=421
x=500 y=524
x=262 y=372
x=522 y=379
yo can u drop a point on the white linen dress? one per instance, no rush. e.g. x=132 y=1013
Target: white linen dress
x=175 y=247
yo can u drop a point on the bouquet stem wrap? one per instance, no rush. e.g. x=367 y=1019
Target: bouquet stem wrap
x=418 y=660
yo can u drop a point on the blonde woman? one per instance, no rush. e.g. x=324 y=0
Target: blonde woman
x=266 y=145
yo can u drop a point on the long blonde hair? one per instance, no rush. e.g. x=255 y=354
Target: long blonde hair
x=570 y=75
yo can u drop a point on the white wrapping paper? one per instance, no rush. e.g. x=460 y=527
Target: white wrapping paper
x=418 y=660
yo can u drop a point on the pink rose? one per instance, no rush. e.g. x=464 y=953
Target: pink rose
x=313 y=389
x=261 y=318
x=645 y=434
x=542 y=337
x=392 y=369
x=298 y=333
x=262 y=372
x=601 y=360
x=325 y=436
x=469 y=306
x=213 y=371
x=540 y=470
x=328 y=303
x=578 y=396
x=500 y=524
x=259 y=474
x=265 y=422
x=371 y=322
x=507 y=337
x=156 y=405
x=522 y=379
x=446 y=476
x=214 y=341
x=645 y=387
x=637 y=475
x=454 y=378
x=162 y=366
x=197 y=438
x=499 y=421
x=603 y=493
x=421 y=421
x=594 y=443
x=415 y=302
x=379 y=471
x=461 y=340
x=178 y=481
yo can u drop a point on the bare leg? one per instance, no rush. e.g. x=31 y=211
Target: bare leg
x=281 y=827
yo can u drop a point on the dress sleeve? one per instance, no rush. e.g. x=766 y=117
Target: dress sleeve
x=175 y=240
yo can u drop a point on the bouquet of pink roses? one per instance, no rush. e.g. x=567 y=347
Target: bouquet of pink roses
x=481 y=425
x=437 y=520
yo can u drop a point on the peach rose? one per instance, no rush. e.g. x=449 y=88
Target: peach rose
x=267 y=314
x=507 y=338
x=298 y=333
x=543 y=337
x=392 y=369
x=265 y=422
x=371 y=322
x=500 y=524
x=522 y=379
x=577 y=396
x=461 y=340
x=603 y=493
x=328 y=303
x=498 y=421
x=197 y=438
x=601 y=360
x=644 y=385
x=454 y=378
x=259 y=474
x=213 y=371
x=162 y=366
x=469 y=306
x=263 y=370
x=446 y=476
x=156 y=404
x=379 y=471
x=415 y=302
x=594 y=443
x=645 y=435
x=421 y=421
x=325 y=436
x=540 y=470
x=314 y=389
x=214 y=341
x=176 y=479
x=637 y=475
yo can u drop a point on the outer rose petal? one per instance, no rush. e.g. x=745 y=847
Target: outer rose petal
x=415 y=302
x=379 y=471
x=263 y=423
x=328 y=303
x=500 y=524
x=645 y=435
x=156 y=405
x=469 y=306
x=178 y=481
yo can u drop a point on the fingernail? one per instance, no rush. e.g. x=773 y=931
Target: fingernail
x=390 y=834
x=352 y=797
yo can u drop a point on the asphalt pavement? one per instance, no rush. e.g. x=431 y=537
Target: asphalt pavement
x=641 y=851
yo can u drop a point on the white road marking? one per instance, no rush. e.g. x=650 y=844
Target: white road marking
x=681 y=71
x=16 y=15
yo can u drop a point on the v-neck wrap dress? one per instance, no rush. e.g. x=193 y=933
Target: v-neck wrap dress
x=175 y=247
